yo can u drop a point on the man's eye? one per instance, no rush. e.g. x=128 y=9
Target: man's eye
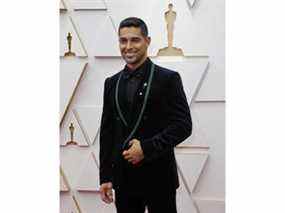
x=122 y=41
x=135 y=39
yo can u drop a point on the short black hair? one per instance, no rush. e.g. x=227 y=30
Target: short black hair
x=134 y=22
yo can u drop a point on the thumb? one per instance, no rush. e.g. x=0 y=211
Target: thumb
x=131 y=142
x=110 y=185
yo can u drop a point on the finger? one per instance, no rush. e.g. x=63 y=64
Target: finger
x=110 y=192
x=103 y=196
x=131 y=142
x=126 y=152
x=110 y=199
x=107 y=199
x=110 y=195
x=128 y=157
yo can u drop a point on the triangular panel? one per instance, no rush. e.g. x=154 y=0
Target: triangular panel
x=210 y=205
x=88 y=5
x=89 y=178
x=191 y=166
x=66 y=26
x=69 y=204
x=89 y=118
x=72 y=158
x=184 y=201
x=64 y=187
x=213 y=87
x=198 y=138
x=103 y=41
x=65 y=133
x=96 y=145
x=62 y=6
x=104 y=47
x=191 y=70
x=191 y=2
x=71 y=71
x=91 y=202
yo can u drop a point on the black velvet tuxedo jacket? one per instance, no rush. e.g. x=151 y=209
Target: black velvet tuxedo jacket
x=165 y=123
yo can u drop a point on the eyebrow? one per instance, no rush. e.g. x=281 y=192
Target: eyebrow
x=130 y=37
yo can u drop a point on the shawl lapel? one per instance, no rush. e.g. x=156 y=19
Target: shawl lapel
x=139 y=96
x=131 y=115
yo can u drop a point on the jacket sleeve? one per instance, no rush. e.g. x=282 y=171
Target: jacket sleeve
x=179 y=125
x=106 y=139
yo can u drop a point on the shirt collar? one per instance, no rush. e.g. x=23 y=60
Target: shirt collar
x=138 y=72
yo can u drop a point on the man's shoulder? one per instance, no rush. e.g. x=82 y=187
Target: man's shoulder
x=113 y=78
x=165 y=72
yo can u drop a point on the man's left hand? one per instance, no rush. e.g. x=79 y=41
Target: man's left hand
x=135 y=153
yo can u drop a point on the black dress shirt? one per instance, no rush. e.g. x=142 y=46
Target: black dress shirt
x=132 y=80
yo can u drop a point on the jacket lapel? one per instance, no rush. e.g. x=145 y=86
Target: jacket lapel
x=139 y=95
x=123 y=101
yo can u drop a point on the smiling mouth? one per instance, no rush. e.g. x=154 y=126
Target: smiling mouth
x=130 y=55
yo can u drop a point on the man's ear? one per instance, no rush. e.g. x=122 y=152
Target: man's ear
x=148 y=40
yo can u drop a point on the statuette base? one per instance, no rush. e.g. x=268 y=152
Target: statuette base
x=170 y=51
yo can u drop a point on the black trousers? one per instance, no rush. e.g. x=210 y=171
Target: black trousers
x=156 y=202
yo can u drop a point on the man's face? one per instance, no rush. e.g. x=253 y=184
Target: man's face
x=133 y=45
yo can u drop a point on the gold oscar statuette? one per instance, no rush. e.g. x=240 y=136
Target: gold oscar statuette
x=170 y=17
x=71 y=129
x=69 y=39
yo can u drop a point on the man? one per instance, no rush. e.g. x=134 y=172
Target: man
x=145 y=115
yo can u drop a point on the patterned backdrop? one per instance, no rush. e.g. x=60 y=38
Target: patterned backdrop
x=199 y=32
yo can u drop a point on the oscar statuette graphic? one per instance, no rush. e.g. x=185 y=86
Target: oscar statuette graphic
x=71 y=129
x=170 y=17
x=69 y=39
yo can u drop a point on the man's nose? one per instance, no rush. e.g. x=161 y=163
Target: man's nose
x=129 y=45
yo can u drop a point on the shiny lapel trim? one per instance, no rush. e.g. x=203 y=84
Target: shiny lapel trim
x=117 y=101
x=143 y=107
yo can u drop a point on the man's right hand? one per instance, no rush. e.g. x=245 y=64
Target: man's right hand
x=106 y=192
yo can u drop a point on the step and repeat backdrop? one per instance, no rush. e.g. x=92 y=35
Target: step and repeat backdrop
x=187 y=36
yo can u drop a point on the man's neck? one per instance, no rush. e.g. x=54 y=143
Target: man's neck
x=135 y=66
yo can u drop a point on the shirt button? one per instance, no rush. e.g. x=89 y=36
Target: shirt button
x=140 y=93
